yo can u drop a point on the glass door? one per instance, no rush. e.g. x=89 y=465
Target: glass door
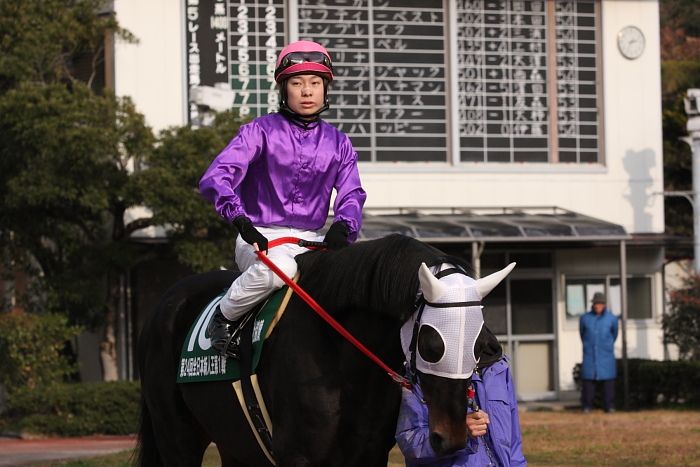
x=520 y=312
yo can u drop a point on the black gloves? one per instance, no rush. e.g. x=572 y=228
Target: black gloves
x=249 y=233
x=337 y=236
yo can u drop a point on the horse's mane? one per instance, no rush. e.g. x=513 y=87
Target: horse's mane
x=378 y=275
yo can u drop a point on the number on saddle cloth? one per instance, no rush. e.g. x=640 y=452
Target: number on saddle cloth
x=200 y=362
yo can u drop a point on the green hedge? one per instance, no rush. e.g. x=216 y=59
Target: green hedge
x=656 y=383
x=75 y=409
x=31 y=349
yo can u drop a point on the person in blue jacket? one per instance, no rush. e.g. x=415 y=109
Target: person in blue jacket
x=497 y=420
x=598 y=330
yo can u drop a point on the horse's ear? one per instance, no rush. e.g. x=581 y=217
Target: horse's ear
x=488 y=283
x=431 y=286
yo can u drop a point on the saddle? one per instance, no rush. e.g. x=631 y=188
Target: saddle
x=200 y=362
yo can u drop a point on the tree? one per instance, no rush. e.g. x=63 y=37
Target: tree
x=198 y=236
x=31 y=350
x=74 y=160
x=682 y=325
x=680 y=70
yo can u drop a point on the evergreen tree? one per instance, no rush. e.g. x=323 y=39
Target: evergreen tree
x=75 y=160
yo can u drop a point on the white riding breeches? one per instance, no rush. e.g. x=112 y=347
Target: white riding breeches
x=257 y=280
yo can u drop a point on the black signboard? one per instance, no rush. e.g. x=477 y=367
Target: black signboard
x=389 y=59
x=506 y=94
x=206 y=38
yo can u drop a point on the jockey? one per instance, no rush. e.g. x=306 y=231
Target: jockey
x=276 y=178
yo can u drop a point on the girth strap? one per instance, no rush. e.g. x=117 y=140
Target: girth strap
x=256 y=413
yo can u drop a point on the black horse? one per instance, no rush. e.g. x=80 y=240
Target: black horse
x=330 y=405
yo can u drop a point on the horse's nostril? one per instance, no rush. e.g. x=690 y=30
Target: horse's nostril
x=441 y=446
x=437 y=442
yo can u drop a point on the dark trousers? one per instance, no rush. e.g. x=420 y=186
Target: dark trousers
x=588 y=392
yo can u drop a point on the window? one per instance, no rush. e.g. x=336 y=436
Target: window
x=579 y=293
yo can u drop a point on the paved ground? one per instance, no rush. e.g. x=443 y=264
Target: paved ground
x=25 y=452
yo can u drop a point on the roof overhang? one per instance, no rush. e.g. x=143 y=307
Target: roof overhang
x=489 y=225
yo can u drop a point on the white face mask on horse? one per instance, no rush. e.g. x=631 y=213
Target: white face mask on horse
x=451 y=314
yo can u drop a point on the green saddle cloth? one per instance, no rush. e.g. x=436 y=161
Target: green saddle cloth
x=199 y=362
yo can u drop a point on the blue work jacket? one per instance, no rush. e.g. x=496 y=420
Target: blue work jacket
x=598 y=334
x=495 y=395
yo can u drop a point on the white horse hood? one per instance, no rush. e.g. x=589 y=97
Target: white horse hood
x=453 y=310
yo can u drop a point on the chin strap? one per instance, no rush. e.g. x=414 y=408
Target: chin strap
x=295 y=119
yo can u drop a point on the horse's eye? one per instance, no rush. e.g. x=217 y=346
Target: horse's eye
x=431 y=347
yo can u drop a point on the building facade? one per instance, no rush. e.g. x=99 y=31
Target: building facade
x=531 y=115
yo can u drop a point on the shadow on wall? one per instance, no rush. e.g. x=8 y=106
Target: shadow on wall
x=639 y=165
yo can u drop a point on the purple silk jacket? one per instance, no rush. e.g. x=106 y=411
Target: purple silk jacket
x=279 y=174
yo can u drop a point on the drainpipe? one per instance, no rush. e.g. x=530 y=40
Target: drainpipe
x=692 y=109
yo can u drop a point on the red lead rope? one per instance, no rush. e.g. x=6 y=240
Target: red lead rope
x=398 y=379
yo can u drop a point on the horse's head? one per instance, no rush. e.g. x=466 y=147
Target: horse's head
x=443 y=342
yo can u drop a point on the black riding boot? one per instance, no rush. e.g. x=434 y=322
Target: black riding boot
x=225 y=335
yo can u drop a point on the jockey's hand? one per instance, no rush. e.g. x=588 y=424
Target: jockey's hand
x=477 y=423
x=249 y=233
x=337 y=236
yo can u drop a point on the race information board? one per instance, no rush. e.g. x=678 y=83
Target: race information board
x=390 y=88
x=525 y=73
x=234 y=45
x=257 y=36
x=527 y=81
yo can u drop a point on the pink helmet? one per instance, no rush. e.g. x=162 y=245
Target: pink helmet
x=303 y=57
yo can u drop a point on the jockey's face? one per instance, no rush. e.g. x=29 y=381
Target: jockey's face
x=305 y=94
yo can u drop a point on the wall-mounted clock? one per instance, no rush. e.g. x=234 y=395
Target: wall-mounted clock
x=630 y=40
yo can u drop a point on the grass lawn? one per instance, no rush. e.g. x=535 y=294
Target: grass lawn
x=562 y=438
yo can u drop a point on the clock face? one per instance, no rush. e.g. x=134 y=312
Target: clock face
x=630 y=40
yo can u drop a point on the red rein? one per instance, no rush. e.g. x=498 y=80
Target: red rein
x=398 y=379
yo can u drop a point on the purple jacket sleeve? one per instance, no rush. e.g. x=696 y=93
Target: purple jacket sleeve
x=228 y=170
x=350 y=196
x=412 y=434
x=496 y=396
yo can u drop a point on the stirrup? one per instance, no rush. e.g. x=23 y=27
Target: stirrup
x=225 y=334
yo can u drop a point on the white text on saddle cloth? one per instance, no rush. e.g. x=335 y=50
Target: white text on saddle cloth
x=458 y=326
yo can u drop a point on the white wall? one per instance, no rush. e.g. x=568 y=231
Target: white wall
x=152 y=72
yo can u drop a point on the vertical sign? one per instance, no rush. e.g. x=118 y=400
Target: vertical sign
x=389 y=93
x=207 y=44
x=257 y=36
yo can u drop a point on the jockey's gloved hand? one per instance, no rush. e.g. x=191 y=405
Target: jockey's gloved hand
x=249 y=233
x=337 y=236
